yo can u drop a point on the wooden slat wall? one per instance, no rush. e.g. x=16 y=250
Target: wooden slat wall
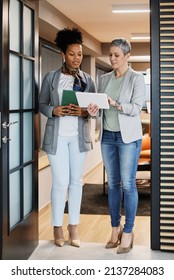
x=167 y=125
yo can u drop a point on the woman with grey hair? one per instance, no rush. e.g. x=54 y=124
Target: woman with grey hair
x=121 y=138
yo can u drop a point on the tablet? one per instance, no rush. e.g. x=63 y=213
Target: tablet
x=69 y=97
x=85 y=98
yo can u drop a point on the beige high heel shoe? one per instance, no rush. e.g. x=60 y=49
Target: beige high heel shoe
x=122 y=249
x=72 y=242
x=58 y=236
x=111 y=244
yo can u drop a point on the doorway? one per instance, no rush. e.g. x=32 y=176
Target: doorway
x=18 y=150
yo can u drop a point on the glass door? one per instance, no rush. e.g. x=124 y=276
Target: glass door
x=18 y=144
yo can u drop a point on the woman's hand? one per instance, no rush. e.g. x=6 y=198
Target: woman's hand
x=61 y=111
x=93 y=110
x=114 y=103
x=75 y=110
x=111 y=102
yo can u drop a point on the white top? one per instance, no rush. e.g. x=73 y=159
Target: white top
x=68 y=126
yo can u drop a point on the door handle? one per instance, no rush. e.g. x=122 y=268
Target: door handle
x=5 y=139
x=6 y=125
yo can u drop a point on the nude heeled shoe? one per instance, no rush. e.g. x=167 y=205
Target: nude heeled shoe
x=123 y=250
x=57 y=240
x=111 y=244
x=73 y=242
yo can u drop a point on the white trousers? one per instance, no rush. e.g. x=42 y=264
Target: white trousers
x=67 y=168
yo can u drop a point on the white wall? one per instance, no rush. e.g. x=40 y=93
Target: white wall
x=45 y=183
x=93 y=156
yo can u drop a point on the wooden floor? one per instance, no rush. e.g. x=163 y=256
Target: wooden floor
x=94 y=228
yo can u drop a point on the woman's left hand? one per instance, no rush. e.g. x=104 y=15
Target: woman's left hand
x=75 y=110
x=114 y=103
x=111 y=102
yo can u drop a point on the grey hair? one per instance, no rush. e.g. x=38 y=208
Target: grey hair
x=123 y=44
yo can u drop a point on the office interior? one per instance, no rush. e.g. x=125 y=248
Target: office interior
x=28 y=219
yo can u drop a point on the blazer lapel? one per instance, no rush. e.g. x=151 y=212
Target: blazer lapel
x=125 y=85
x=54 y=86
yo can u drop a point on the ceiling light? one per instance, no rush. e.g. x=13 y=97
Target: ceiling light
x=130 y=8
x=140 y=36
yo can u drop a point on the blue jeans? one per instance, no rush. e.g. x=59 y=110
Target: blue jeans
x=121 y=161
x=67 y=167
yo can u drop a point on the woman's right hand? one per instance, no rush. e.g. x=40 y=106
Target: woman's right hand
x=93 y=110
x=61 y=111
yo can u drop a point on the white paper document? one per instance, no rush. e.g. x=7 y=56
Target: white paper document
x=86 y=98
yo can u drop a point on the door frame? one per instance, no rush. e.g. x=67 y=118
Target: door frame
x=3 y=109
x=24 y=238
x=155 y=133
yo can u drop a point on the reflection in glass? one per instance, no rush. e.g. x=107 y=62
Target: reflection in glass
x=27 y=136
x=14 y=135
x=27 y=92
x=28 y=26
x=27 y=189
x=14 y=102
x=14 y=198
x=15 y=25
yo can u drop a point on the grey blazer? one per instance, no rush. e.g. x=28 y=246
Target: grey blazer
x=132 y=96
x=48 y=99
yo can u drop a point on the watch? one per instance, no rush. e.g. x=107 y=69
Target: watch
x=117 y=105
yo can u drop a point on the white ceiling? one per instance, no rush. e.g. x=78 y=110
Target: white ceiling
x=96 y=18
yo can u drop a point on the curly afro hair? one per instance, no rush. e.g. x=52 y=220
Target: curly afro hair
x=67 y=37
